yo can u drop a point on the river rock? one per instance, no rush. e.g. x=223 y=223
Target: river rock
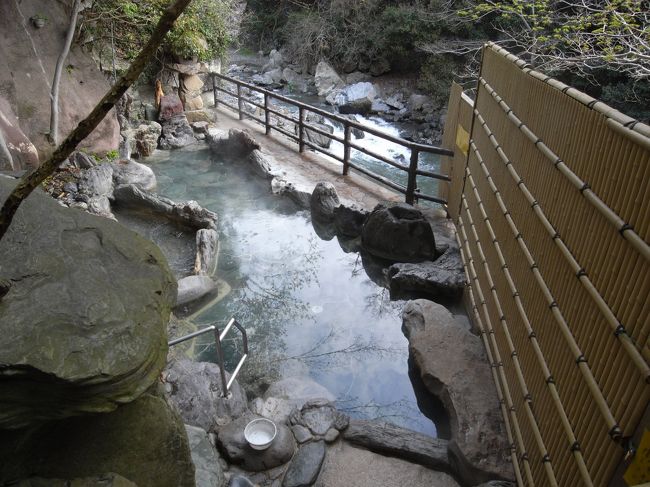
x=275 y=61
x=324 y=200
x=263 y=164
x=176 y=133
x=306 y=465
x=349 y=220
x=133 y=173
x=97 y=181
x=102 y=480
x=316 y=138
x=196 y=391
x=295 y=81
x=191 y=288
x=146 y=138
x=170 y=106
x=388 y=439
x=235 y=448
x=107 y=284
x=301 y=434
x=301 y=195
x=208 y=472
x=207 y=252
x=100 y=206
x=444 y=277
x=398 y=232
x=326 y=79
x=356 y=98
x=187 y=212
x=453 y=367
x=144 y=441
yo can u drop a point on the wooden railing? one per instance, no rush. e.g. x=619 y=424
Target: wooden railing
x=410 y=191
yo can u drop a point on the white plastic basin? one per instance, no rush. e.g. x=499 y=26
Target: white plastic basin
x=260 y=433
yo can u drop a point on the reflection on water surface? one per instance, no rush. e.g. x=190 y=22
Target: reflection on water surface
x=309 y=307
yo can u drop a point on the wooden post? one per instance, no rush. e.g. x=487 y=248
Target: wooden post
x=301 y=129
x=346 y=149
x=239 y=102
x=267 y=114
x=412 y=182
x=214 y=90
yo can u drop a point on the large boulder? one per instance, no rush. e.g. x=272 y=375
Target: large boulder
x=97 y=181
x=143 y=441
x=196 y=391
x=326 y=79
x=442 y=278
x=237 y=143
x=176 y=133
x=349 y=220
x=399 y=233
x=305 y=465
x=189 y=91
x=126 y=171
x=324 y=200
x=454 y=368
x=356 y=98
x=83 y=326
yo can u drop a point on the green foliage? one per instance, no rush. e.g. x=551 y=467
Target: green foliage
x=200 y=32
x=112 y=154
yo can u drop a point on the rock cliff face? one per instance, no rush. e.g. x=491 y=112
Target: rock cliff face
x=27 y=59
x=83 y=325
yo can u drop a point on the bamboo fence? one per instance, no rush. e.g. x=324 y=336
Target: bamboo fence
x=550 y=192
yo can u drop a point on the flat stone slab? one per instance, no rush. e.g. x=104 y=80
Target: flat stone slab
x=388 y=439
x=305 y=465
x=83 y=325
x=354 y=467
x=453 y=367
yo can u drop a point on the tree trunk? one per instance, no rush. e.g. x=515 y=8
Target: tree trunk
x=54 y=110
x=30 y=181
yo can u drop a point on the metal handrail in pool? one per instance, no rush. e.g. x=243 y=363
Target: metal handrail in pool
x=411 y=191
x=218 y=338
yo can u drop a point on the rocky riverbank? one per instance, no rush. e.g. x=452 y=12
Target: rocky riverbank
x=389 y=97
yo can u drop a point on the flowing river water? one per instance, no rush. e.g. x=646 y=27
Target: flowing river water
x=308 y=305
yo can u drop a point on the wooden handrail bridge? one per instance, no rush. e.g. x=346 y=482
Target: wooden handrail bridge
x=411 y=191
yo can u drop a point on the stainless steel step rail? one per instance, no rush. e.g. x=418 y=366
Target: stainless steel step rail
x=218 y=338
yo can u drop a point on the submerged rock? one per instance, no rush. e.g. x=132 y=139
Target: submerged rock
x=453 y=367
x=83 y=326
x=191 y=288
x=399 y=233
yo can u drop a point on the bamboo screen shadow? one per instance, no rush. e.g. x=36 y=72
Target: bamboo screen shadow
x=550 y=198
